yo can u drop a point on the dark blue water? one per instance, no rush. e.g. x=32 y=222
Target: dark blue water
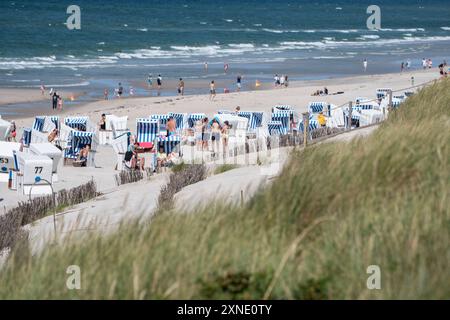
x=126 y=40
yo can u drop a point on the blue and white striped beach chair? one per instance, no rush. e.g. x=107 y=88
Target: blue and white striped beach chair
x=255 y=119
x=316 y=107
x=280 y=107
x=38 y=123
x=50 y=123
x=162 y=118
x=180 y=120
x=284 y=117
x=276 y=128
x=360 y=107
x=194 y=117
x=78 y=123
x=146 y=130
x=26 y=137
x=313 y=124
x=382 y=92
x=77 y=141
x=170 y=144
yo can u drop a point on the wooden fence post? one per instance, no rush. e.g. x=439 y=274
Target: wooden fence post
x=350 y=111
x=390 y=100
x=305 y=128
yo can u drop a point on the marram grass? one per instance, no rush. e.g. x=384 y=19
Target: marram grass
x=336 y=209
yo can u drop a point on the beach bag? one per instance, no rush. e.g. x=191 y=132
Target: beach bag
x=128 y=156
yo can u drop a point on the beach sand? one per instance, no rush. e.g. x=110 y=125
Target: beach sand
x=298 y=95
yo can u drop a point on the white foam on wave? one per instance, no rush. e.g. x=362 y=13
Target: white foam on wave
x=143 y=29
x=445 y=28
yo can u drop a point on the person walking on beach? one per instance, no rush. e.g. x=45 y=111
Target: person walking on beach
x=206 y=66
x=181 y=87
x=105 y=94
x=42 y=89
x=282 y=80
x=212 y=90
x=225 y=67
x=365 y=65
x=424 y=63
x=55 y=99
x=239 y=82
x=131 y=91
x=402 y=67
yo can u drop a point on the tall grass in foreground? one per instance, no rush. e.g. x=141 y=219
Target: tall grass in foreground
x=336 y=209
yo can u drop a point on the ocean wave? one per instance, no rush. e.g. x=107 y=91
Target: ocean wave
x=143 y=29
x=445 y=28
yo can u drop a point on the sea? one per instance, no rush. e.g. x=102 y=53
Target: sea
x=126 y=41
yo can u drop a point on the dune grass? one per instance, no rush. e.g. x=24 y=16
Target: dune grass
x=336 y=209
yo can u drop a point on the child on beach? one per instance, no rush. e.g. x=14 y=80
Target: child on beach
x=60 y=103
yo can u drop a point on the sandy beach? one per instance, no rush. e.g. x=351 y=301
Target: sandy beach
x=298 y=95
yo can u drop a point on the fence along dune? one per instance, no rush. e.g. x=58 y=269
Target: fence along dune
x=336 y=209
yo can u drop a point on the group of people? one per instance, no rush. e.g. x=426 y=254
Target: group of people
x=281 y=81
x=427 y=63
x=206 y=130
x=405 y=65
x=57 y=100
x=134 y=160
x=319 y=92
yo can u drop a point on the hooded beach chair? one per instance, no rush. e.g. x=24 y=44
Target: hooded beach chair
x=255 y=119
x=146 y=130
x=382 y=92
x=78 y=123
x=38 y=123
x=180 y=120
x=281 y=107
x=284 y=117
x=51 y=123
x=317 y=107
x=77 y=141
x=276 y=128
x=26 y=136
x=170 y=143
x=194 y=117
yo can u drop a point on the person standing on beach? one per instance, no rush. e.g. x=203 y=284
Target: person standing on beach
x=55 y=99
x=277 y=80
x=105 y=94
x=150 y=80
x=225 y=67
x=181 y=87
x=212 y=90
x=159 y=83
x=42 y=89
x=402 y=67
x=424 y=63
x=365 y=65
x=60 y=103
x=206 y=66
x=239 y=82
x=120 y=90
x=282 y=80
